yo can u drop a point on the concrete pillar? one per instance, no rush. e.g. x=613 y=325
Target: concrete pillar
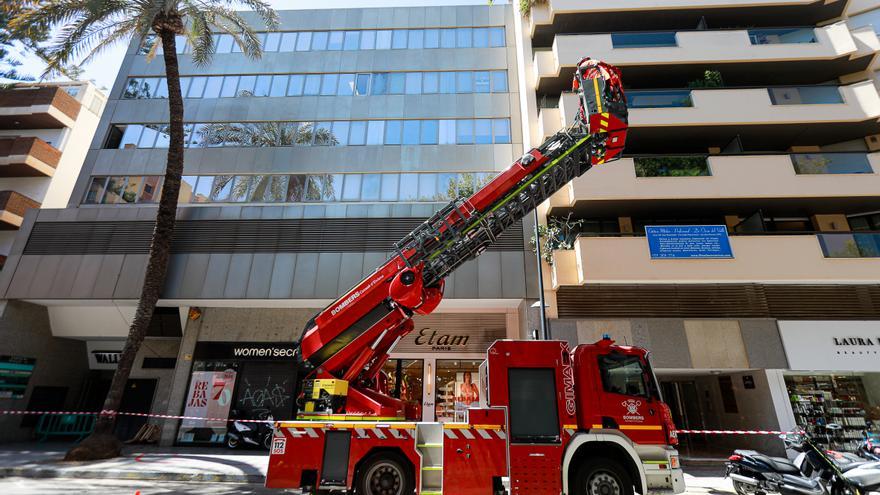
x=781 y=401
x=180 y=380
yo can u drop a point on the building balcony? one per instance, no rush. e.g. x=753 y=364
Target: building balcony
x=13 y=206
x=27 y=157
x=749 y=178
x=578 y=16
x=743 y=56
x=766 y=118
x=757 y=259
x=34 y=107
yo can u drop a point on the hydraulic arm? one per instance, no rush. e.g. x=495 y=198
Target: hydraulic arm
x=343 y=347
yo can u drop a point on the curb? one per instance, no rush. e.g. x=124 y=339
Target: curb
x=35 y=472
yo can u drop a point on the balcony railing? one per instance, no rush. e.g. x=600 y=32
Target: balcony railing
x=850 y=244
x=831 y=163
x=13 y=206
x=805 y=95
x=671 y=166
x=27 y=157
x=672 y=98
x=643 y=40
x=779 y=36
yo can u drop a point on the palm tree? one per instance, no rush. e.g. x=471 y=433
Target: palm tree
x=85 y=29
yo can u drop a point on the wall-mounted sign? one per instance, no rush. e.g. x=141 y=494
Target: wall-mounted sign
x=15 y=372
x=107 y=357
x=104 y=354
x=831 y=345
x=454 y=333
x=244 y=351
x=748 y=382
x=688 y=241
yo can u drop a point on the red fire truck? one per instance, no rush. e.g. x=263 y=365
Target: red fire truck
x=554 y=420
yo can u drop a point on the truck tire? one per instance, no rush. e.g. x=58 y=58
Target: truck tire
x=385 y=473
x=602 y=477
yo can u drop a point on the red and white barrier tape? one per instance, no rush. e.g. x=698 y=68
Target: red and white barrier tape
x=124 y=413
x=732 y=432
x=169 y=416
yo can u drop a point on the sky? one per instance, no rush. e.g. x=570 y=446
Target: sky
x=104 y=68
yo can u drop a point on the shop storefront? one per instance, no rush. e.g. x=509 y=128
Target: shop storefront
x=834 y=377
x=236 y=380
x=436 y=368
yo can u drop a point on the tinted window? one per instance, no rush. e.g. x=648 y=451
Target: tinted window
x=335 y=42
x=328 y=84
x=447 y=82
x=352 y=40
x=279 y=86
x=447 y=38
x=432 y=38
x=463 y=37
x=346 y=85
x=362 y=84
x=481 y=82
x=534 y=416
x=499 y=81
x=392 y=131
x=411 y=132
x=496 y=36
x=303 y=40
x=288 y=42
x=413 y=83
x=464 y=82
x=272 y=41
x=313 y=84
x=319 y=40
x=481 y=37
x=398 y=40
x=295 y=86
x=368 y=40
x=623 y=374
x=416 y=39
x=431 y=81
x=383 y=39
x=263 y=85
x=229 y=85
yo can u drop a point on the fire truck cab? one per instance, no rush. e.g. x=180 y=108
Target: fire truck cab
x=582 y=422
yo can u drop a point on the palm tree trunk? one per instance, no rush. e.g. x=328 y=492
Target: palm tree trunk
x=97 y=446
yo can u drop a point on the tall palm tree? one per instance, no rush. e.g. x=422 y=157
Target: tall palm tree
x=85 y=29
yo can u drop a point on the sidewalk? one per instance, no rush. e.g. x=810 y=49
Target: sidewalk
x=141 y=462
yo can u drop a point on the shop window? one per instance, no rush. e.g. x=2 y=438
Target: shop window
x=458 y=388
x=844 y=399
x=403 y=379
x=534 y=416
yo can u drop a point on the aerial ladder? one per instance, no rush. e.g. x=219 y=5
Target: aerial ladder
x=343 y=348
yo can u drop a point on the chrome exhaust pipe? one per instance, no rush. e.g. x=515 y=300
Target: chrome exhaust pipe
x=744 y=479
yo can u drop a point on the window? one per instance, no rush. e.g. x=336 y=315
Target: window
x=295 y=85
x=114 y=190
x=399 y=39
x=446 y=132
x=319 y=40
x=324 y=134
x=328 y=84
x=335 y=40
x=358 y=133
x=534 y=416
x=432 y=38
x=279 y=86
x=272 y=41
x=464 y=37
x=196 y=86
x=481 y=37
x=221 y=188
x=380 y=84
x=447 y=38
x=340 y=132
x=246 y=85
x=413 y=83
x=483 y=131
x=288 y=42
x=346 y=85
x=163 y=136
x=148 y=136
x=203 y=189
x=303 y=41
x=370 y=187
x=410 y=132
x=383 y=39
x=389 y=187
x=296 y=188
x=263 y=85
x=496 y=36
x=464 y=132
x=501 y=131
x=130 y=135
x=352 y=40
x=396 y=83
x=368 y=40
x=416 y=39
x=313 y=84
x=499 y=81
x=229 y=85
x=161 y=89
x=132 y=88
x=447 y=82
x=375 y=132
x=623 y=374
x=362 y=84
x=409 y=187
x=393 y=129
x=429 y=132
x=95 y=191
x=464 y=82
x=352 y=189
x=224 y=43
x=431 y=82
x=481 y=82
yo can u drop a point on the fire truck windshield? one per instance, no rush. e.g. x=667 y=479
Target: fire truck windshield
x=627 y=374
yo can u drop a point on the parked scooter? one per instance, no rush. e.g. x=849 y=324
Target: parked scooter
x=241 y=434
x=815 y=471
x=869 y=448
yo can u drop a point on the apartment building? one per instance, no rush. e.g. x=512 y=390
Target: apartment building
x=302 y=170
x=45 y=130
x=756 y=121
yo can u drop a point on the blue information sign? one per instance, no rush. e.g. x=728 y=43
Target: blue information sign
x=688 y=241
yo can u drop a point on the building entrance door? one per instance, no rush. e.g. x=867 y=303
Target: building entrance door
x=138 y=398
x=687 y=413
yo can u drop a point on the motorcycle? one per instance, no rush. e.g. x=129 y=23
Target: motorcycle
x=814 y=471
x=869 y=448
x=259 y=434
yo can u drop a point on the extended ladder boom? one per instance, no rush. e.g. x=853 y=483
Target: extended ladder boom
x=344 y=346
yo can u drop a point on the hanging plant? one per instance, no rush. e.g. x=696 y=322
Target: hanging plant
x=559 y=233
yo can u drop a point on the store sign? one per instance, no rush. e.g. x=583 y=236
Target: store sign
x=437 y=341
x=104 y=354
x=15 y=372
x=209 y=397
x=688 y=241
x=244 y=351
x=831 y=345
x=107 y=357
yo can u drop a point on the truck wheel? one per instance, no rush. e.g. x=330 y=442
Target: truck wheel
x=384 y=474
x=602 y=477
